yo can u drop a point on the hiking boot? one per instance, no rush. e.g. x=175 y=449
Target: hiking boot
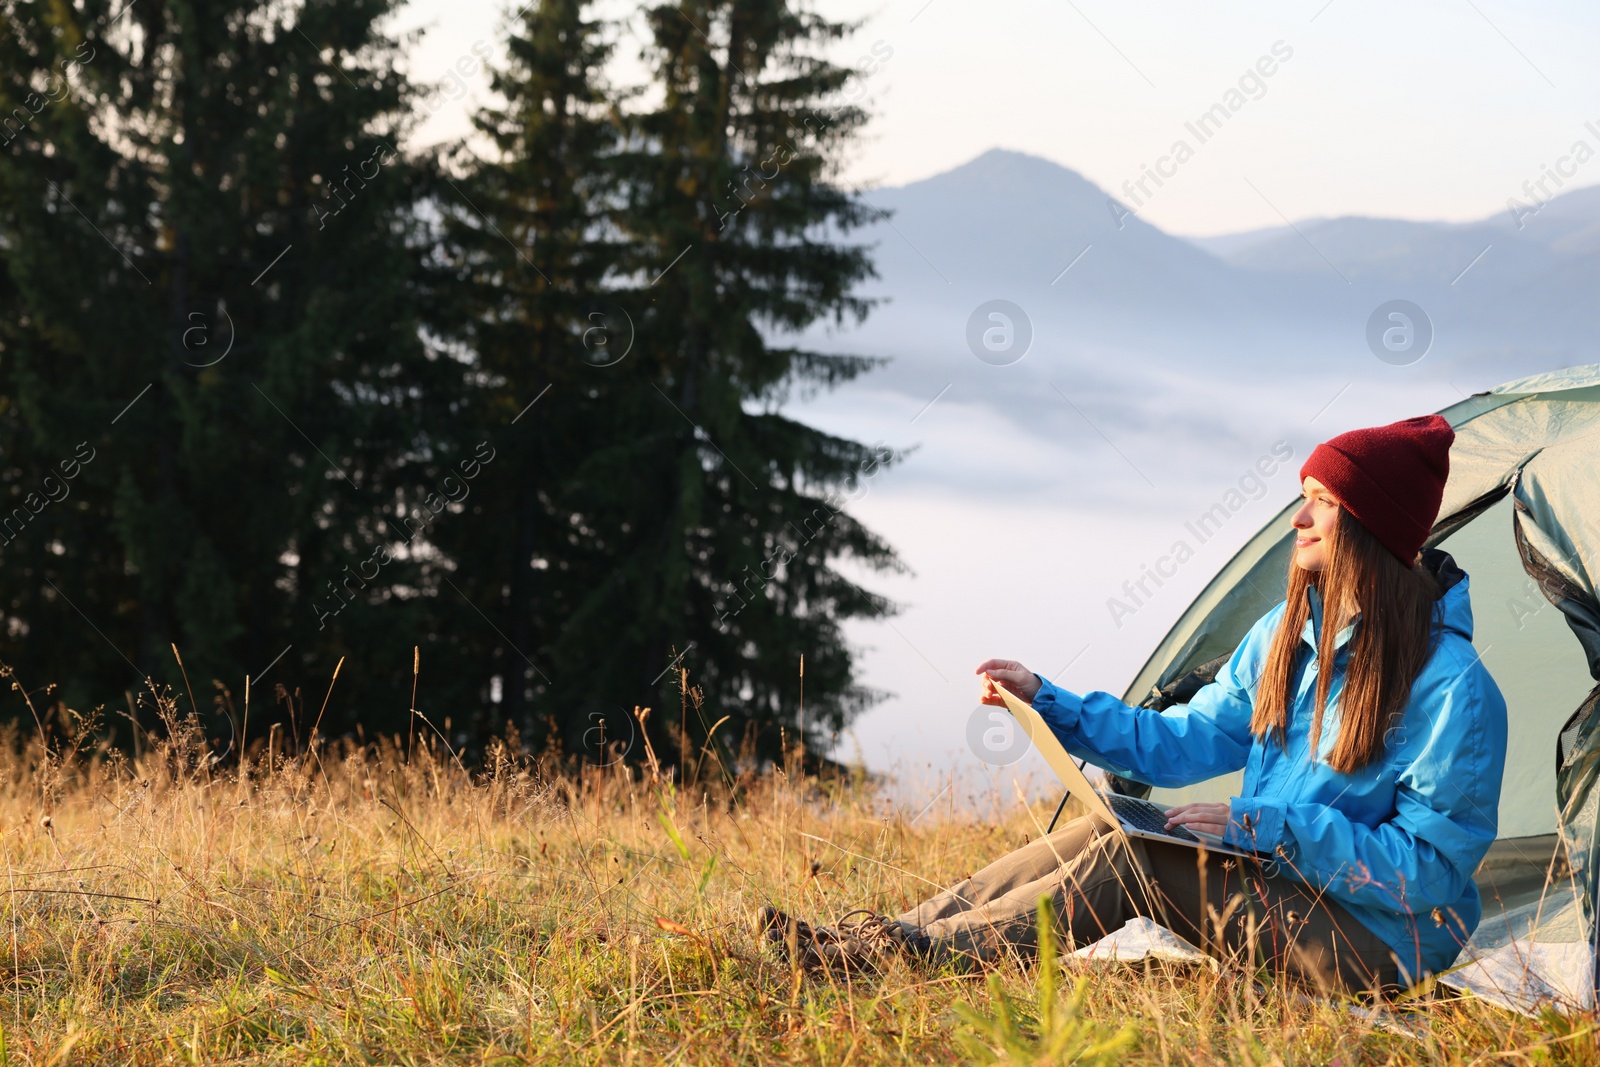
x=855 y=945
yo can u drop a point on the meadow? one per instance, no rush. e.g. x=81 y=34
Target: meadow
x=379 y=902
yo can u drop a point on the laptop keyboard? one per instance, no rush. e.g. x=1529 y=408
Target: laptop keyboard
x=1144 y=815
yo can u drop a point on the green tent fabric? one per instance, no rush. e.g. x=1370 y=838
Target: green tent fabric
x=1521 y=515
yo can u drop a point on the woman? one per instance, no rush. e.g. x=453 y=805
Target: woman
x=1367 y=848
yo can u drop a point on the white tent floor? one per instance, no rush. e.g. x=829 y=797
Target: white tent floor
x=1529 y=952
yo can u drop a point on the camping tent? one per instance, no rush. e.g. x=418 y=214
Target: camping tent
x=1521 y=515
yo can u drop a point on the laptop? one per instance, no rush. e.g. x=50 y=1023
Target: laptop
x=1135 y=816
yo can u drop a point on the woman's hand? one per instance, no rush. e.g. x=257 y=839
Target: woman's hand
x=1206 y=818
x=1011 y=674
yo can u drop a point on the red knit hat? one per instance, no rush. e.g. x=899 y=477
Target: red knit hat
x=1391 y=478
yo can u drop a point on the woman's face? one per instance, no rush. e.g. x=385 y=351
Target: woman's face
x=1315 y=520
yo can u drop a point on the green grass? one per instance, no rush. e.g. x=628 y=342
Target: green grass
x=354 y=907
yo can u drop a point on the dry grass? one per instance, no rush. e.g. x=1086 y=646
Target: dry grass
x=353 y=907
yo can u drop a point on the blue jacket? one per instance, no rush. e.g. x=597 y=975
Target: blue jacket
x=1397 y=842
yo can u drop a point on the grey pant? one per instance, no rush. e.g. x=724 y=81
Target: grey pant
x=1097 y=879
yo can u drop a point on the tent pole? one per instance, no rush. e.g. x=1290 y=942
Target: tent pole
x=1059 y=809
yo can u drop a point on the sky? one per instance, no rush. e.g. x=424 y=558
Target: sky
x=1427 y=110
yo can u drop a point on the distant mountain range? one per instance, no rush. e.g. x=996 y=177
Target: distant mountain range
x=1503 y=300
x=1174 y=356
x=1560 y=237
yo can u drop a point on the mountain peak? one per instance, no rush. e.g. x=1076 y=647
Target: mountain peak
x=1006 y=172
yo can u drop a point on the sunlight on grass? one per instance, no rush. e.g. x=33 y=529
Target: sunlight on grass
x=346 y=905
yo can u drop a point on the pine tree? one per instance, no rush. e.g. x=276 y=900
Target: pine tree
x=530 y=248
x=713 y=522
x=210 y=245
x=642 y=511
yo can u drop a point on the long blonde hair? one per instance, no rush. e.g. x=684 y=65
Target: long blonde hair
x=1388 y=650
